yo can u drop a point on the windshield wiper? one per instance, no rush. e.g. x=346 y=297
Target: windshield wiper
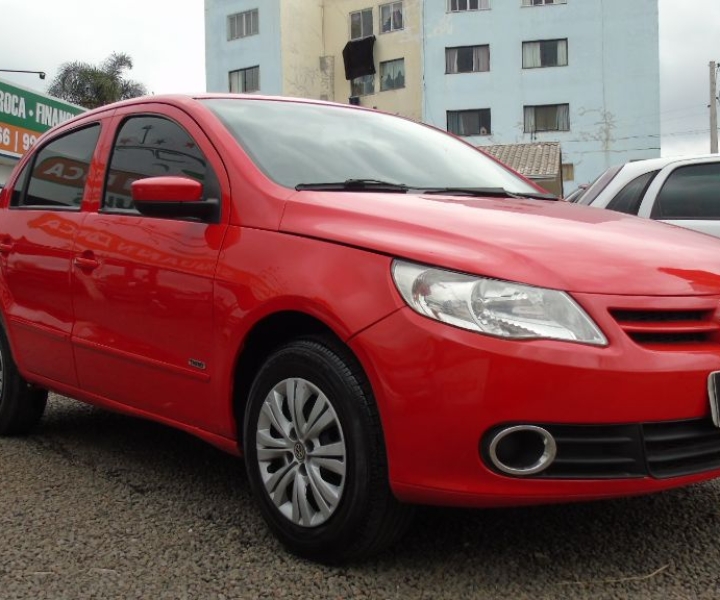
x=493 y=192
x=355 y=185
x=376 y=185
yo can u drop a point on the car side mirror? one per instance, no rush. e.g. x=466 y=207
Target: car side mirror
x=173 y=197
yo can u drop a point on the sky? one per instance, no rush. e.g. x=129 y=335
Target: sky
x=165 y=39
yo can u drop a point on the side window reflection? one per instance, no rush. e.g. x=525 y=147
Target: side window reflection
x=150 y=147
x=59 y=172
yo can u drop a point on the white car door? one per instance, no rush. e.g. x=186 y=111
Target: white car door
x=686 y=194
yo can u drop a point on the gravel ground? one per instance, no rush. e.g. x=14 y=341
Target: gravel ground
x=98 y=505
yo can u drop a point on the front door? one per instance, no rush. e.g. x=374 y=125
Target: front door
x=143 y=287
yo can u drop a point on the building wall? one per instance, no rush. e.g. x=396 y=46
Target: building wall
x=263 y=49
x=612 y=81
x=302 y=45
x=405 y=43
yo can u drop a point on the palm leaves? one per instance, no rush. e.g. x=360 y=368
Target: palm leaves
x=96 y=85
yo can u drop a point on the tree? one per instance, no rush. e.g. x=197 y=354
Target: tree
x=92 y=86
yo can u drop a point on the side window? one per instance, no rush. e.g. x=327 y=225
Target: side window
x=152 y=147
x=690 y=193
x=629 y=198
x=59 y=171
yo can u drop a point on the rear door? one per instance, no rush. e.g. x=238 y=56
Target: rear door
x=688 y=195
x=143 y=290
x=37 y=233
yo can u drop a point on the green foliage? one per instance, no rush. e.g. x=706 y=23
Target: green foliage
x=96 y=85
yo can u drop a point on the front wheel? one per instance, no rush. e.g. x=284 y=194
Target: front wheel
x=21 y=405
x=315 y=454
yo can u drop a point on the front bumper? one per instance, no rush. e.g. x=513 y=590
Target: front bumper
x=440 y=390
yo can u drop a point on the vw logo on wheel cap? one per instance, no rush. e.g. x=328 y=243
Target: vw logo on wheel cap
x=299 y=451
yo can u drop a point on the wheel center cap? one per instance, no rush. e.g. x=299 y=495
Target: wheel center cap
x=299 y=451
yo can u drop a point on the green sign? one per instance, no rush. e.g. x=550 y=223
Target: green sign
x=25 y=115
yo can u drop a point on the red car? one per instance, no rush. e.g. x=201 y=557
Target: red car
x=374 y=313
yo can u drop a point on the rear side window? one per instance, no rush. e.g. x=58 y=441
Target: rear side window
x=691 y=192
x=149 y=146
x=59 y=172
x=629 y=198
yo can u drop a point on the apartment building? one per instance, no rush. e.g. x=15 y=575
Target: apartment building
x=584 y=73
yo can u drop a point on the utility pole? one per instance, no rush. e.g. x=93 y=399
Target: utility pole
x=713 y=109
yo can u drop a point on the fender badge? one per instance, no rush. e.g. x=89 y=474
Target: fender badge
x=197 y=364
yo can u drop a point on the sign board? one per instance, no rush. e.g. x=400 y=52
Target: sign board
x=25 y=115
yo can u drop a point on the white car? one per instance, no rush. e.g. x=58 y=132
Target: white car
x=683 y=191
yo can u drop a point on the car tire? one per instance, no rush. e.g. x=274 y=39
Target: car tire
x=315 y=454
x=21 y=405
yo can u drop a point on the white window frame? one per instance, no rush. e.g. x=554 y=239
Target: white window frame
x=383 y=68
x=467 y=5
x=393 y=8
x=241 y=76
x=532 y=55
x=243 y=24
x=479 y=62
x=362 y=32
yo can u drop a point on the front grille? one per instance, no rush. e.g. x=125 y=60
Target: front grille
x=669 y=326
x=596 y=452
x=659 y=450
x=681 y=448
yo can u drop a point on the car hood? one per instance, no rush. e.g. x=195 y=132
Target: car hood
x=545 y=243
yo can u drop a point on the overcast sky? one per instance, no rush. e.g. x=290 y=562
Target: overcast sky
x=165 y=39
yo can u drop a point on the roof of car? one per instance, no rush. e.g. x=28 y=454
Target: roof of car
x=653 y=164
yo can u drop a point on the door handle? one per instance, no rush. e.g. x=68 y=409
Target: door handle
x=87 y=263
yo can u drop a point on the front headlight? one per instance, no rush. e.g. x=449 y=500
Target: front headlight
x=494 y=307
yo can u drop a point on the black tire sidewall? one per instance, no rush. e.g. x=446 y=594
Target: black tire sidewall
x=334 y=377
x=8 y=394
x=21 y=407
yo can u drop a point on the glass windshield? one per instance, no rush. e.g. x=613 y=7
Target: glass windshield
x=297 y=143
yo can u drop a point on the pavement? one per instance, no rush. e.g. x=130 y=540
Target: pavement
x=99 y=505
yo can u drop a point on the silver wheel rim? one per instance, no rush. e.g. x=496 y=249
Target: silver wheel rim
x=301 y=452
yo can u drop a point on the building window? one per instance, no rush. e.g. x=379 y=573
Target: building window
x=568 y=172
x=391 y=17
x=548 y=117
x=542 y=2
x=363 y=86
x=361 y=24
x=469 y=122
x=242 y=24
x=461 y=5
x=245 y=80
x=545 y=53
x=467 y=59
x=392 y=74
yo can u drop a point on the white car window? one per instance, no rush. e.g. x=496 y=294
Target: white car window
x=628 y=199
x=691 y=192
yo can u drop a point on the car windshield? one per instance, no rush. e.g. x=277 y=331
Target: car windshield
x=597 y=186
x=302 y=143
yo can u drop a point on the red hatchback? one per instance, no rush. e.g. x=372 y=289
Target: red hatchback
x=373 y=312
